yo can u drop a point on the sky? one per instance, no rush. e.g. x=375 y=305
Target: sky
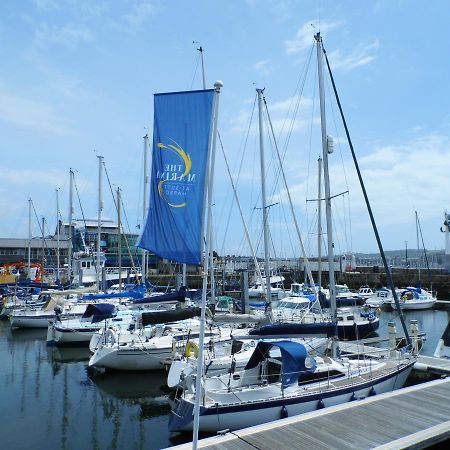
x=77 y=80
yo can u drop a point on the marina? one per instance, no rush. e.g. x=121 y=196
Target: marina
x=51 y=391
x=263 y=273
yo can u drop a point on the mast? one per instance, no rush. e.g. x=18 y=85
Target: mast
x=29 y=238
x=119 y=239
x=264 y=200
x=69 y=247
x=43 y=245
x=201 y=50
x=418 y=244
x=144 y=208
x=325 y=151
x=99 y=221
x=209 y=184
x=57 y=236
x=319 y=224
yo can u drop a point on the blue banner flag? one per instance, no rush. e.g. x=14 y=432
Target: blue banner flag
x=174 y=225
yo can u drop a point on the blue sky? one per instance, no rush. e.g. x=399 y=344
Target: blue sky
x=77 y=79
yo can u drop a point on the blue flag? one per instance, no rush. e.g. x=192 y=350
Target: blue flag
x=181 y=130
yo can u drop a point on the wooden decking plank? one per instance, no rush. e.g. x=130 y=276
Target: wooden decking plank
x=418 y=413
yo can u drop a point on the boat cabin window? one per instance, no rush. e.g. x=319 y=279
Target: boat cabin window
x=273 y=371
x=295 y=288
x=348 y=317
x=307 y=377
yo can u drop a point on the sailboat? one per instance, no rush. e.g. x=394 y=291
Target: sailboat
x=281 y=379
x=417 y=298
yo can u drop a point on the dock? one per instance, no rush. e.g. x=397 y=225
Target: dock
x=436 y=366
x=410 y=418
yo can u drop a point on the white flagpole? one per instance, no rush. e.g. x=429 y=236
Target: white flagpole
x=198 y=393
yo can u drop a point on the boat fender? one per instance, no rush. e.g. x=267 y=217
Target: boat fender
x=372 y=392
x=191 y=347
x=190 y=381
x=110 y=336
x=283 y=412
x=320 y=404
x=353 y=397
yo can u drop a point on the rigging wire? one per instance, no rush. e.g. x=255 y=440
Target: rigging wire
x=243 y=146
x=123 y=209
x=348 y=240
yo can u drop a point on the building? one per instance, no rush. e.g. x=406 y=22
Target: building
x=84 y=236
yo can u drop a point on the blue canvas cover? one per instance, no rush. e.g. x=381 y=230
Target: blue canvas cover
x=136 y=292
x=181 y=133
x=99 y=312
x=293 y=356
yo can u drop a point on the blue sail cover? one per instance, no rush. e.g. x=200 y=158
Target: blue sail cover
x=136 y=292
x=174 y=224
x=99 y=312
x=293 y=356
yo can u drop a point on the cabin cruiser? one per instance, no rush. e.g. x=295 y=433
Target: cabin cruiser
x=414 y=298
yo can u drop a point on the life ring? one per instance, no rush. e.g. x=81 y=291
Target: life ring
x=191 y=346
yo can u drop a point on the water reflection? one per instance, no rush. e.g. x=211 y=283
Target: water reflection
x=50 y=393
x=130 y=385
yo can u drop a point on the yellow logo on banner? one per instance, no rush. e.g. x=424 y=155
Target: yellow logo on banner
x=171 y=172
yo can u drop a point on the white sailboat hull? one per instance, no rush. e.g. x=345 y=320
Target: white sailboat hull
x=246 y=414
x=30 y=321
x=131 y=358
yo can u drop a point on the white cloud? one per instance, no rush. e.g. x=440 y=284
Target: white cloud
x=29 y=113
x=281 y=115
x=139 y=14
x=32 y=176
x=263 y=67
x=304 y=37
x=69 y=35
x=399 y=179
x=360 y=56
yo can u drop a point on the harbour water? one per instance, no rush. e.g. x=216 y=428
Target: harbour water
x=49 y=400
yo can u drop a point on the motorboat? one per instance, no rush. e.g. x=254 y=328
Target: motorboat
x=381 y=298
x=365 y=292
x=414 y=298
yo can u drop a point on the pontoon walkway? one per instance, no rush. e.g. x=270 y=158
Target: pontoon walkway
x=413 y=418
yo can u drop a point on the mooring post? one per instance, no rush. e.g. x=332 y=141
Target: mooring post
x=415 y=336
x=392 y=339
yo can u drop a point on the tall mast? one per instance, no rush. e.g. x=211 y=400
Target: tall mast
x=211 y=174
x=29 y=238
x=325 y=150
x=319 y=224
x=264 y=200
x=144 y=208
x=69 y=247
x=43 y=245
x=418 y=244
x=201 y=50
x=57 y=236
x=209 y=184
x=99 y=221
x=119 y=238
